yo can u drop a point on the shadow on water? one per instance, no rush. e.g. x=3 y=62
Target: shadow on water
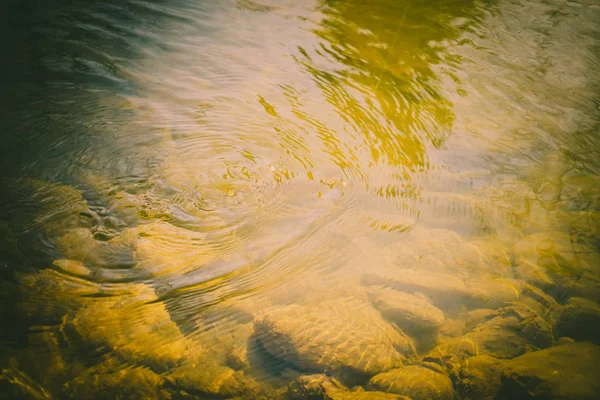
x=64 y=84
x=57 y=57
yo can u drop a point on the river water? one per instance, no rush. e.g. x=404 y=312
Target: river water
x=310 y=199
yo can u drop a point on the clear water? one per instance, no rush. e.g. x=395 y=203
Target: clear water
x=215 y=199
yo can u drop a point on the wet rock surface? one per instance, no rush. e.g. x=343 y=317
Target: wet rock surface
x=562 y=372
x=416 y=382
x=146 y=335
x=559 y=264
x=479 y=378
x=109 y=380
x=580 y=320
x=446 y=291
x=17 y=385
x=317 y=387
x=329 y=336
x=481 y=337
x=451 y=352
x=413 y=314
x=441 y=317
x=511 y=332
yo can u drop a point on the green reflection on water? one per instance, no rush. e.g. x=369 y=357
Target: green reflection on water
x=384 y=85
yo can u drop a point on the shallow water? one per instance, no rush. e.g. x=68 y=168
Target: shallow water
x=316 y=199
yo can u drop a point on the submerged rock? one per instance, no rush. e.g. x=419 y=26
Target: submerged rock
x=73 y=267
x=451 y=352
x=419 y=383
x=446 y=291
x=479 y=316
x=446 y=251
x=58 y=207
x=541 y=303
x=479 y=378
x=162 y=249
x=559 y=264
x=322 y=387
x=208 y=378
x=452 y=327
x=412 y=313
x=512 y=332
x=490 y=292
x=43 y=358
x=15 y=384
x=580 y=320
x=343 y=334
x=48 y=295
x=134 y=326
x=151 y=249
x=313 y=387
x=110 y=380
x=568 y=371
x=534 y=274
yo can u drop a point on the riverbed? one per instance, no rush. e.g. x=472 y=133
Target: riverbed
x=279 y=199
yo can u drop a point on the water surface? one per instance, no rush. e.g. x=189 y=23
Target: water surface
x=283 y=199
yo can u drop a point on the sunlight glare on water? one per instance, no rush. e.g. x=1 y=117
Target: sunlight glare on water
x=280 y=199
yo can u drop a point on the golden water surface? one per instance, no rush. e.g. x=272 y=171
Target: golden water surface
x=315 y=199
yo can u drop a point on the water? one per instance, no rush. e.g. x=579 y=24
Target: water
x=316 y=199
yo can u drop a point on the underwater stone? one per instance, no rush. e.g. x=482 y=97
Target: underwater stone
x=580 y=320
x=77 y=244
x=237 y=359
x=581 y=192
x=479 y=378
x=35 y=370
x=559 y=264
x=514 y=331
x=533 y=274
x=44 y=358
x=313 y=387
x=417 y=382
x=412 y=313
x=161 y=249
x=493 y=293
x=59 y=207
x=322 y=387
x=446 y=291
x=110 y=380
x=565 y=372
x=451 y=352
x=541 y=303
x=49 y=295
x=73 y=267
x=133 y=326
x=452 y=327
x=207 y=377
x=494 y=258
x=479 y=316
x=333 y=336
x=15 y=384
